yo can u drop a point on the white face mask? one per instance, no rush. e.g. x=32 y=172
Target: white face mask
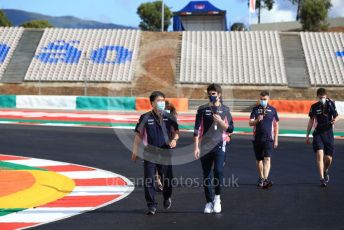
x=322 y=100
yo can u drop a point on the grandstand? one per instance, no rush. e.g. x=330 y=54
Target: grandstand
x=9 y=38
x=75 y=54
x=325 y=66
x=234 y=58
x=181 y=63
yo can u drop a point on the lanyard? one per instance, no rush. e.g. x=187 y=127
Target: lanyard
x=163 y=127
x=157 y=119
x=218 y=110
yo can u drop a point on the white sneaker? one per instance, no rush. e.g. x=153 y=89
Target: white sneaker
x=208 y=208
x=217 y=204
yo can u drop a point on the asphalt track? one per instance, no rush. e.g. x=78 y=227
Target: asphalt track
x=294 y=202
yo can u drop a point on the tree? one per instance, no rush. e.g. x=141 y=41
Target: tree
x=299 y=4
x=313 y=14
x=263 y=4
x=238 y=26
x=4 y=21
x=150 y=14
x=37 y=24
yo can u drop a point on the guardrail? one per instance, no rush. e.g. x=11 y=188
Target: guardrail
x=143 y=104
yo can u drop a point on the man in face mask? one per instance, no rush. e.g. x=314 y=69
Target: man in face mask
x=212 y=126
x=159 y=133
x=264 y=119
x=324 y=115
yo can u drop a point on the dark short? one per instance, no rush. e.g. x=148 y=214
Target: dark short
x=324 y=141
x=262 y=149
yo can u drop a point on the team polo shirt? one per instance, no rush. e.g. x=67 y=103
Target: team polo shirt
x=155 y=133
x=264 y=130
x=205 y=127
x=323 y=114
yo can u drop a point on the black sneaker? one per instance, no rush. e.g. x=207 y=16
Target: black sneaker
x=151 y=211
x=267 y=183
x=167 y=203
x=323 y=183
x=260 y=183
x=326 y=176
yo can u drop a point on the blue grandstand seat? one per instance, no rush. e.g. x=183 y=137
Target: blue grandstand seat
x=9 y=37
x=76 y=52
x=3 y=52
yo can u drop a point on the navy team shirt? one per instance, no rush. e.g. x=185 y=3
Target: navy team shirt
x=153 y=133
x=264 y=130
x=323 y=114
x=205 y=127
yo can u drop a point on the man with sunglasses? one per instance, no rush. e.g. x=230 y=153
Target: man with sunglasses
x=159 y=132
x=324 y=115
x=212 y=126
x=264 y=119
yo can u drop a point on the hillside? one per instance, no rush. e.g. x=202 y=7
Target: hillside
x=18 y=17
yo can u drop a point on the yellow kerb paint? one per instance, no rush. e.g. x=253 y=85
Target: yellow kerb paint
x=48 y=187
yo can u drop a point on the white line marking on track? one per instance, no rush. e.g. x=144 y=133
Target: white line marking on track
x=36 y=162
x=99 y=190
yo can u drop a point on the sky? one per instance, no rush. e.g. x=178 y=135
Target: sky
x=123 y=12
